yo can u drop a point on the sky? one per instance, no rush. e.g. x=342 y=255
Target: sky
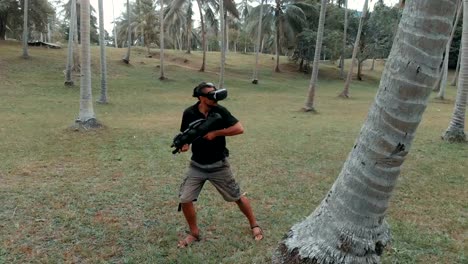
x=116 y=7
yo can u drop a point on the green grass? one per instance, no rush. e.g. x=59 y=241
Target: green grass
x=111 y=195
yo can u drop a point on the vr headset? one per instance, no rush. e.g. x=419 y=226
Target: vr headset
x=215 y=95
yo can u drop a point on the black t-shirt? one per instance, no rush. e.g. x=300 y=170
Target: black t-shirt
x=208 y=151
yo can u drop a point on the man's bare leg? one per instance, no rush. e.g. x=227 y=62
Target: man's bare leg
x=244 y=206
x=190 y=215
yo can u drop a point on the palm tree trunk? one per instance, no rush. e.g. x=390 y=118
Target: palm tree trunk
x=345 y=32
x=457 y=70
x=455 y=132
x=49 y=33
x=76 y=46
x=349 y=224
x=373 y=64
x=226 y=31
x=309 y=104
x=86 y=117
x=345 y=92
x=257 y=46
x=443 y=82
x=71 y=34
x=115 y=26
x=161 y=42
x=126 y=59
x=277 y=35
x=189 y=35
x=202 y=22
x=223 y=44
x=25 y=29
x=102 y=45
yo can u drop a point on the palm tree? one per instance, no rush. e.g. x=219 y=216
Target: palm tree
x=309 y=104
x=102 y=45
x=289 y=18
x=349 y=224
x=223 y=43
x=203 y=29
x=126 y=59
x=71 y=34
x=87 y=118
x=455 y=132
x=115 y=26
x=345 y=92
x=443 y=81
x=25 y=29
x=257 y=45
x=161 y=42
x=457 y=70
x=344 y=39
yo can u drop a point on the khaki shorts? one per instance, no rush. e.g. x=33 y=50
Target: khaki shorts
x=218 y=173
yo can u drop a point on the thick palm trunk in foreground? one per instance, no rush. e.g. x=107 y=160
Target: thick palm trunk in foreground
x=349 y=225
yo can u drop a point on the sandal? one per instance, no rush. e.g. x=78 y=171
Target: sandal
x=257 y=235
x=188 y=240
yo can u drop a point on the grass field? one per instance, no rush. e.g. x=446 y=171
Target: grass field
x=110 y=195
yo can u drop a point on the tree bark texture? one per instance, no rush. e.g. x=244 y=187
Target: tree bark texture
x=86 y=117
x=349 y=224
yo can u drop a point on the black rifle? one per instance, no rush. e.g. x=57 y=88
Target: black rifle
x=195 y=130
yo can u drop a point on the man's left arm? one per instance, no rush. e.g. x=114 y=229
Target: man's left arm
x=233 y=130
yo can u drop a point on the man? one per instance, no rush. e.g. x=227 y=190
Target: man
x=209 y=160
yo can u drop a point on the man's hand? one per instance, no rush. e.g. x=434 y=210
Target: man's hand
x=211 y=135
x=185 y=148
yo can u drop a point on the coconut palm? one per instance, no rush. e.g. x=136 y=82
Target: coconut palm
x=344 y=38
x=443 y=81
x=287 y=19
x=457 y=70
x=126 y=58
x=86 y=118
x=223 y=43
x=174 y=7
x=25 y=29
x=309 y=104
x=179 y=22
x=161 y=41
x=345 y=92
x=102 y=45
x=257 y=45
x=349 y=224
x=71 y=34
x=455 y=132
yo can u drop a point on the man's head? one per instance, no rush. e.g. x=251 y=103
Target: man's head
x=207 y=92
